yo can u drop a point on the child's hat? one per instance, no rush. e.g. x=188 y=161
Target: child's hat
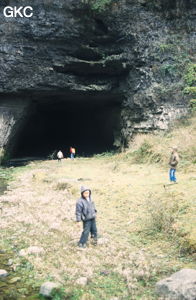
x=84 y=188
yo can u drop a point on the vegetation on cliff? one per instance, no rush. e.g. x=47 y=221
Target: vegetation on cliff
x=190 y=88
x=98 y=5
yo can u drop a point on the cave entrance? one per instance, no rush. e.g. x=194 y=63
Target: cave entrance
x=88 y=125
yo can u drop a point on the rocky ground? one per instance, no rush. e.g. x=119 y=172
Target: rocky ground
x=140 y=221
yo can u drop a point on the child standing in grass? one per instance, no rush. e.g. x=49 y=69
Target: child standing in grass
x=174 y=159
x=86 y=212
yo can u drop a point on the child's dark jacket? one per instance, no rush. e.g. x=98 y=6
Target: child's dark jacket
x=85 y=210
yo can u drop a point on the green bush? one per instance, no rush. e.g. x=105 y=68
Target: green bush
x=4 y=156
x=190 y=76
x=193 y=104
x=190 y=80
x=143 y=153
x=167 y=47
x=105 y=154
x=1 y=155
x=63 y=186
x=98 y=5
x=170 y=69
x=191 y=90
x=162 y=212
x=59 y=294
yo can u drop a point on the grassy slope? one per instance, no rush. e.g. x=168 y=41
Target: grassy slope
x=146 y=230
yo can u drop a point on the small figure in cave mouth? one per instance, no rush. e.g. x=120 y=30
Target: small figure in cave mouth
x=59 y=155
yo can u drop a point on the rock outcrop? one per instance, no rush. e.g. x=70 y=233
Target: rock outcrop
x=13 y=113
x=132 y=53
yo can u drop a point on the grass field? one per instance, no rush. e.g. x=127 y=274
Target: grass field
x=146 y=225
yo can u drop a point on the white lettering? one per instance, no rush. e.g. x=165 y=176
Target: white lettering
x=25 y=14
x=13 y=12
x=17 y=12
x=8 y=12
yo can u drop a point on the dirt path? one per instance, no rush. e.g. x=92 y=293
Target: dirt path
x=38 y=210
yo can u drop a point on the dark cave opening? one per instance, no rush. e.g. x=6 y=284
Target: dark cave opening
x=89 y=125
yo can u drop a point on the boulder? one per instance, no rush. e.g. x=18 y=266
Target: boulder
x=3 y=273
x=179 y=286
x=10 y=262
x=103 y=241
x=47 y=288
x=82 y=281
x=31 y=250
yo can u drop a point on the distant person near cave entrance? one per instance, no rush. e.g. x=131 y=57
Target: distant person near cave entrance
x=72 y=152
x=174 y=160
x=59 y=155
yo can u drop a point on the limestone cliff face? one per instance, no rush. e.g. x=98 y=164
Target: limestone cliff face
x=133 y=52
x=12 y=117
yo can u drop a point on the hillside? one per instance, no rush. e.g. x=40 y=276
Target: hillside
x=146 y=225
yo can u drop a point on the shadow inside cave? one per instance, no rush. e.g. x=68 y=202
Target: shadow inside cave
x=88 y=124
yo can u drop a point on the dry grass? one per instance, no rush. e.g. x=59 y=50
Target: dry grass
x=146 y=226
x=39 y=211
x=154 y=148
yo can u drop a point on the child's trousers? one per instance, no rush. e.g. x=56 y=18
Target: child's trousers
x=172 y=175
x=89 y=226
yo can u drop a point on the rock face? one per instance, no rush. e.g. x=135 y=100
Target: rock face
x=131 y=55
x=13 y=112
x=179 y=286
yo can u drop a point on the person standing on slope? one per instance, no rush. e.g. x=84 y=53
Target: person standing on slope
x=86 y=212
x=173 y=162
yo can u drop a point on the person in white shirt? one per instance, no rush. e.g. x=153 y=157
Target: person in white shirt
x=59 y=155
